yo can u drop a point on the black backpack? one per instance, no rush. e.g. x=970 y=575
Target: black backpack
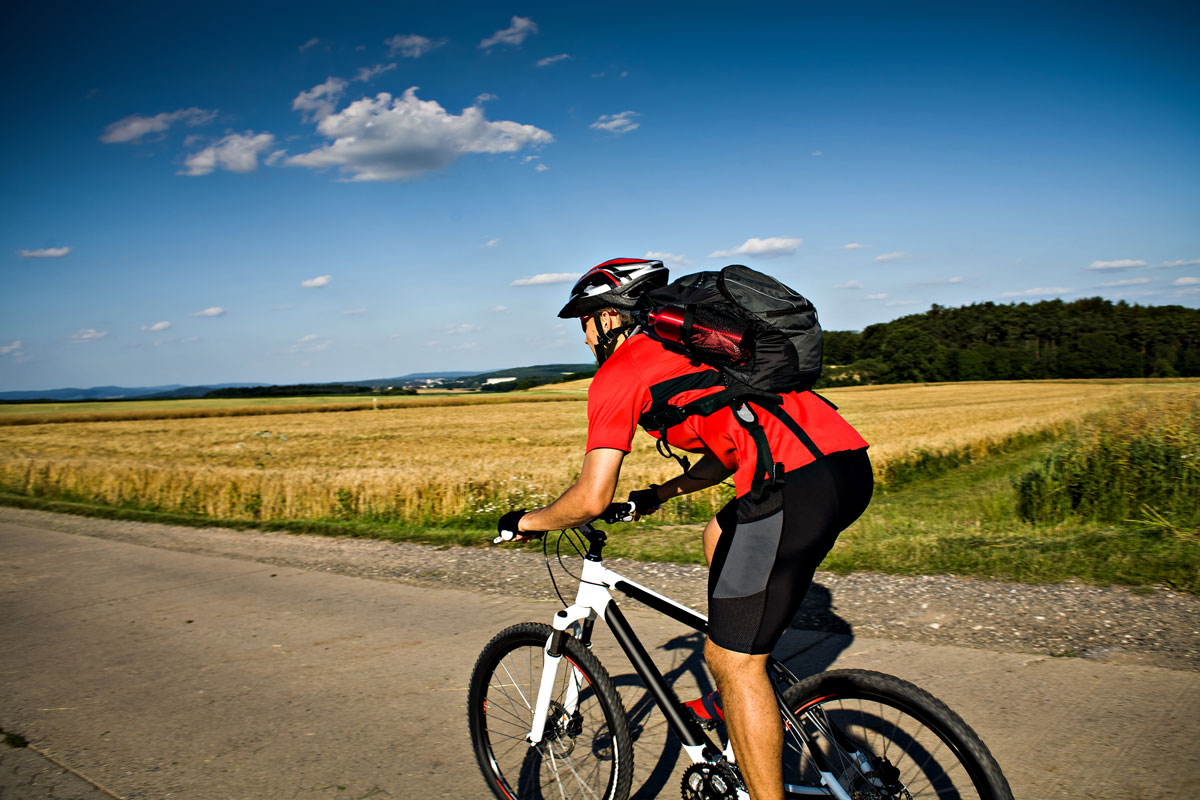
x=760 y=337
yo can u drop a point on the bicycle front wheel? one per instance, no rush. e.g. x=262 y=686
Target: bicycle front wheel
x=585 y=751
x=886 y=739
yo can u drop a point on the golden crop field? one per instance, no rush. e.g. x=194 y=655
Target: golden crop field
x=432 y=463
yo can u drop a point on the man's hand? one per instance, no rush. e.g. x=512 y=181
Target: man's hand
x=509 y=528
x=645 y=501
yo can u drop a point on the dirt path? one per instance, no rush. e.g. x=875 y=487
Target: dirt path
x=1156 y=627
x=159 y=673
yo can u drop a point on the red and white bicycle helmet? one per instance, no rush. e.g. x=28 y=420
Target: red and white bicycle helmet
x=614 y=284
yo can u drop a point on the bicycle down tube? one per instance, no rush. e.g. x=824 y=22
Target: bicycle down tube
x=593 y=597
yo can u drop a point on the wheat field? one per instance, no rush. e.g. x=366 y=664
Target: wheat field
x=465 y=463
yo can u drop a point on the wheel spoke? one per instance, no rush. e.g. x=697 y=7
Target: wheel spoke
x=885 y=739
x=583 y=754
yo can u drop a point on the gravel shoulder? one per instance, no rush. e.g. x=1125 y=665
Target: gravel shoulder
x=1158 y=627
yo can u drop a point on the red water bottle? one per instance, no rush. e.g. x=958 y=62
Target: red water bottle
x=713 y=336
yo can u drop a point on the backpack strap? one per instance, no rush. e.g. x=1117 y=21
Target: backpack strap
x=795 y=428
x=767 y=472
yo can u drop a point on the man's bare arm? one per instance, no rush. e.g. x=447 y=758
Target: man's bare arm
x=586 y=499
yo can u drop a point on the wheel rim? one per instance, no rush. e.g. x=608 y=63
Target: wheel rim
x=575 y=759
x=880 y=751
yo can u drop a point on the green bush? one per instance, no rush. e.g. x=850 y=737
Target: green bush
x=1134 y=463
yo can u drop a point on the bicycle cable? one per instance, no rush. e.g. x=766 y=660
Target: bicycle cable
x=576 y=540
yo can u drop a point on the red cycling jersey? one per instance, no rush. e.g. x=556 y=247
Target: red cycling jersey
x=620 y=394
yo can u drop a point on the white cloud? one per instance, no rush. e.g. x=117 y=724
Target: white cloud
x=158 y=326
x=458 y=330
x=514 y=34
x=548 y=60
x=670 y=259
x=892 y=256
x=319 y=102
x=499 y=309
x=135 y=126
x=942 y=282
x=87 y=335
x=541 y=168
x=1188 y=281
x=310 y=343
x=45 y=252
x=317 y=282
x=351 y=312
x=411 y=45
x=878 y=296
x=13 y=349
x=313 y=42
x=1126 y=282
x=491 y=243
x=854 y=246
x=215 y=311
x=367 y=73
x=1037 y=292
x=817 y=153
x=617 y=123
x=1125 y=263
x=849 y=285
x=764 y=248
x=381 y=139
x=1181 y=263
x=236 y=152
x=546 y=277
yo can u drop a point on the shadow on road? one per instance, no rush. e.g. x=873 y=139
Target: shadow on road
x=814 y=639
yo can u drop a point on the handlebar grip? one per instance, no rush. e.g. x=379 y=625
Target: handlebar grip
x=619 y=512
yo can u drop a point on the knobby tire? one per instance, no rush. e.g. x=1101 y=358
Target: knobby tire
x=922 y=749
x=587 y=755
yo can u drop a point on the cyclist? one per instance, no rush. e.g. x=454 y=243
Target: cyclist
x=763 y=554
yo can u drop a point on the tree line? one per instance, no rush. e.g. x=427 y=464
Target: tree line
x=1087 y=338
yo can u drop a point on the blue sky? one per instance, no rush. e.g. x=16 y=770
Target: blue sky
x=288 y=192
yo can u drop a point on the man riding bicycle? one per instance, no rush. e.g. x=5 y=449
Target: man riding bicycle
x=762 y=551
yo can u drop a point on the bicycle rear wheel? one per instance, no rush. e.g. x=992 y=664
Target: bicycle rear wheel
x=885 y=739
x=586 y=750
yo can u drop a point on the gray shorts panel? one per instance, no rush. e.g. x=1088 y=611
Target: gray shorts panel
x=751 y=557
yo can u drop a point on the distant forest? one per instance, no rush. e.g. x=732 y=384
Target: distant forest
x=1089 y=338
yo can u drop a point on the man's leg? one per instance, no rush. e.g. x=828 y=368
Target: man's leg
x=751 y=717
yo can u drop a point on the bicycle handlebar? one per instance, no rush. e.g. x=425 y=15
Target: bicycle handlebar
x=616 y=512
x=619 y=512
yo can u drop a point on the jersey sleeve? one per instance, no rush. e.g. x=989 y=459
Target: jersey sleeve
x=616 y=398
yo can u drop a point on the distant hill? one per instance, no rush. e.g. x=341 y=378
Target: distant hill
x=456 y=379
x=93 y=393
x=521 y=377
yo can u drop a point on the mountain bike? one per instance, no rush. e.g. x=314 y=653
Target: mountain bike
x=546 y=721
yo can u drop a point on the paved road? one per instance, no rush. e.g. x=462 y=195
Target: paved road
x=160 y=674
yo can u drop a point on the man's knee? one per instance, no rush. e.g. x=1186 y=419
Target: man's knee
x=730 y=663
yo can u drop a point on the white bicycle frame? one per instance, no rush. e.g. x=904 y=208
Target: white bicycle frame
x=593 y=599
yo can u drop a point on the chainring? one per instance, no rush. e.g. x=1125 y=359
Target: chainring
x=710 y=781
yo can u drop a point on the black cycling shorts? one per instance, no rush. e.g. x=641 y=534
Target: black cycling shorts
x=767 y=554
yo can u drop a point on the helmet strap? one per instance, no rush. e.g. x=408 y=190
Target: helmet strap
x=607 y=341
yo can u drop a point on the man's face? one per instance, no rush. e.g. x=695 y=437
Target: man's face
x=590 y=333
